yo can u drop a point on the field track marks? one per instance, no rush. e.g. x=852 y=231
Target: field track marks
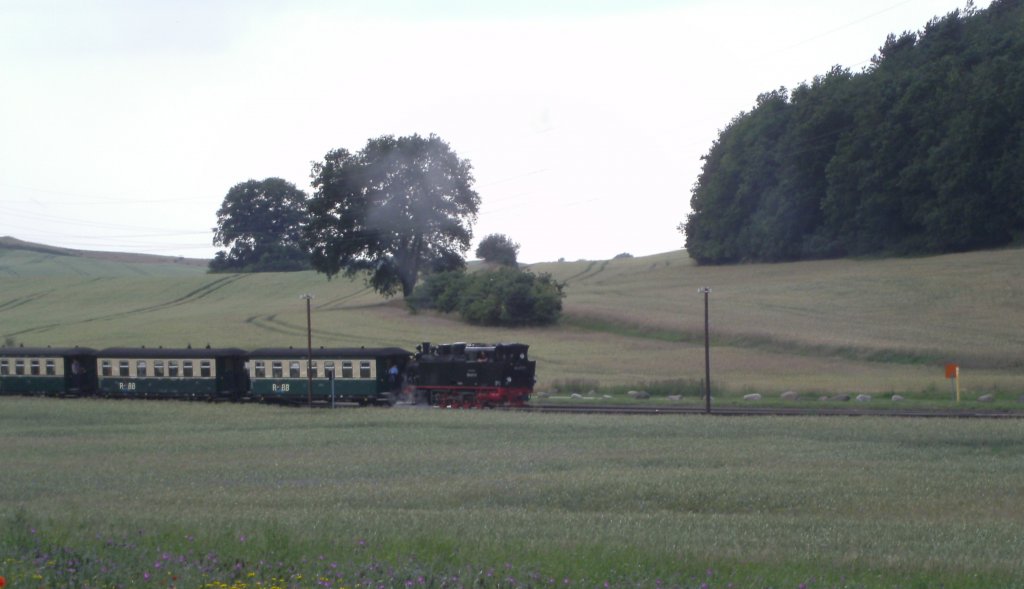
x=272 y=324
x=335 y=304
x=588 y=272
x=197 y=294
x=189 y=297
x=17 y=302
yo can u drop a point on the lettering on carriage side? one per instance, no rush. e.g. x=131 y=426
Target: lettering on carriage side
x=126 y=386
x=280 y=388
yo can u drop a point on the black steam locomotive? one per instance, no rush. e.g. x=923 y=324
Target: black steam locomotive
x=471 y=375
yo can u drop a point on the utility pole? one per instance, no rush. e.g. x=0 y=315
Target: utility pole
x=309 y=349
x=707 y=352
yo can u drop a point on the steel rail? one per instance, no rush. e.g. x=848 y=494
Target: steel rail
x=776 y=411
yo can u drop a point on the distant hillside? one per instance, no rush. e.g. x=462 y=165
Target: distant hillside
x=22 y=259
x=11 y=243
x=920 y=153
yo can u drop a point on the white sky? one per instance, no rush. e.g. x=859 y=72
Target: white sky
x=123 y=123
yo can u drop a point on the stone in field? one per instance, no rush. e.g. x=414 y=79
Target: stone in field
x=752 y=397
x=840 y=397
x=987 y=398
x=790 y=396
x=675 y=397
x=862 y=398
x=897 y=397
x=638 y=395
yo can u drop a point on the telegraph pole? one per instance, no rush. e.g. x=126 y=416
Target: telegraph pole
x=707 y=352
x=309 y=348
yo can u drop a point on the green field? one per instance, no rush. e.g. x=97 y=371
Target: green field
x=838 y=326
x=104 y=493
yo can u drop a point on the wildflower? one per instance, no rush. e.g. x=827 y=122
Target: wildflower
x=3 y=581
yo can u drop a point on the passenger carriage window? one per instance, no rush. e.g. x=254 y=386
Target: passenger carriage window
x=364 y=369
x=19 y=367
x=205 y=369
x=51 y=368
x=186 y=369
x=4 y=368
x=140 y=369
x=124 y=368
x=172 y=368
x=106 y=368
x=158 y=368
x=293 y=370
x=276 y=369
x=261 y=369
x=346 y=369
x=329 y=368
x=34 y=367
x=313 y=369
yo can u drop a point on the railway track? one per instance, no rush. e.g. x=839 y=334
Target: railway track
x=776 y=411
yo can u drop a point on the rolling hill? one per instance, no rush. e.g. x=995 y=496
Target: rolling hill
x=824 y=327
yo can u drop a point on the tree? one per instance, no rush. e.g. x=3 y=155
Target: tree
x=397 y=208
x=261 y=222
x=498 y=249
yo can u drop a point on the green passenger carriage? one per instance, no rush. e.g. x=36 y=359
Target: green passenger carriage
x=47 y=371
x=360 y=375
x=172 y=373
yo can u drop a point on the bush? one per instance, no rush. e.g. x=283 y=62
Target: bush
x=505 y=296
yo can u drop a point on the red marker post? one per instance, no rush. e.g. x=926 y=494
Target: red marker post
x=953 y=373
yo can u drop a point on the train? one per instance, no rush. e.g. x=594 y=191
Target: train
x=456 y=375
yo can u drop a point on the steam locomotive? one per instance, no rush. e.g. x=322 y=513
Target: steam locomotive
x=446 y=375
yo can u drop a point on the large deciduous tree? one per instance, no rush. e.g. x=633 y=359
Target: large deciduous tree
x=260 y=221
x=399 y=207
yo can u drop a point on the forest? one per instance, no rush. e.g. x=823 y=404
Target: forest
x=922 y=152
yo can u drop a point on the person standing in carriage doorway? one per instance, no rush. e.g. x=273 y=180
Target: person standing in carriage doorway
x=77 y=374
x=393 y=377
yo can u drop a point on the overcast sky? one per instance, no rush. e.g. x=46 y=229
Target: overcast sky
x=123 y=123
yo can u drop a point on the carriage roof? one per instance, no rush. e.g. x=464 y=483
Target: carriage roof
x=159 y=352
x=39 y=351
x=329 y=353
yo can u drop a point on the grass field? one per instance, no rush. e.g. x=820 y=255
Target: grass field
x=842 y=326
x=106 y=493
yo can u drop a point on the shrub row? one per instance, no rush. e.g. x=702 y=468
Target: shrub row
x=503 y=296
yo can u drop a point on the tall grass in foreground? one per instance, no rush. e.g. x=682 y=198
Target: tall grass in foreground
x=106 y=493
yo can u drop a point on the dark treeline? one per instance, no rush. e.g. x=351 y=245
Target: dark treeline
x=922 y=152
